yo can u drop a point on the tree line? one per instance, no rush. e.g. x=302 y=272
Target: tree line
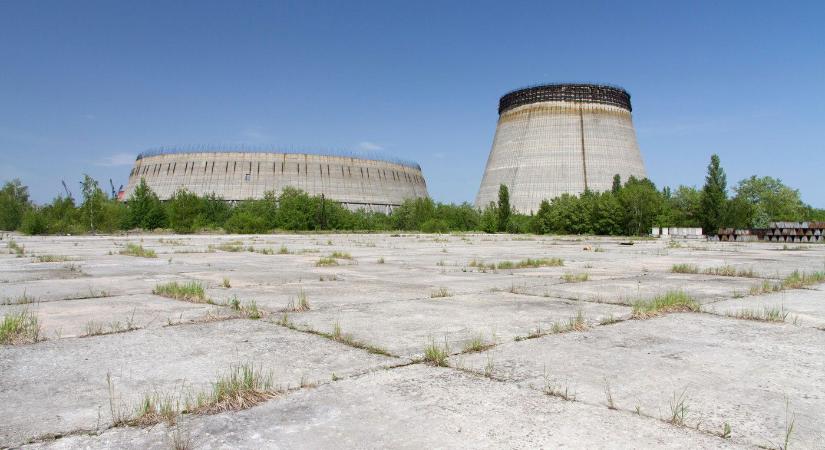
x=629 y=208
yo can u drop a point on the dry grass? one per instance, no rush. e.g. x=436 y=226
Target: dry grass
x=441 y=293
x=326 y=261
x=138 y=250
x=22 y=327
x=242 y=387
x=477 y=344
x=301 y=305
x=765 y=314
x=574 y=323
x=52 y=258
x=531 y=263
x=575 y=277
x=684 y=268
x=189 y=292
x=671 y=301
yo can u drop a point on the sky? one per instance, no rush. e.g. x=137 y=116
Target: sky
x=85 y=86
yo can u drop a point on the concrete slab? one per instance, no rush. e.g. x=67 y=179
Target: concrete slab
x=412 y=407
x=60 y=386
x=69 y=318
x=805 y=306
x=735 y=371
x=406 y=327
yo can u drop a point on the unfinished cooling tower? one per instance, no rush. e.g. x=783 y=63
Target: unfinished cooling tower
x=560 y=138
x=373 y=184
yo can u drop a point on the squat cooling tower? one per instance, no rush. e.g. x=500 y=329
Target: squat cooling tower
x=560 y=138
x=373 y=184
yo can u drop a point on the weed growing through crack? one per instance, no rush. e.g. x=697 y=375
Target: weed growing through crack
x=766 y=314
x=684 y=268
x=380 y=260
x=671 y=301
x=608 y=394
x=326 y=261
x=340 y=255
x=300 y=304
x=608 y=320
x=679 y=408
x=51 y=258
x=441 y=293
x=575 y=277
x=574 y=323
x=790 y=423
x=138 y=250
x=436 y=355
x=22 y=327
x=241 y=387
x=730 y=271
x=556 y=390
x=725 y=431
x=226 y=283
x=190 y=292
x=477 y=344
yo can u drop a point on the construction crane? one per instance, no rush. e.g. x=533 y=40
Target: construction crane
x=68 y=192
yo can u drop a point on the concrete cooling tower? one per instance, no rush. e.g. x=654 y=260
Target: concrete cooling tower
x=560 y=138
x=372 y=184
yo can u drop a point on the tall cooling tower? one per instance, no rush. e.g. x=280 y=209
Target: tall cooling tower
x=560 y=138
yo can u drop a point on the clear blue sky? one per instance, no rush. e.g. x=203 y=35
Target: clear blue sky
x=84 y=86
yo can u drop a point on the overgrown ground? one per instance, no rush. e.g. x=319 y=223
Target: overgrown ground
x=296 y=341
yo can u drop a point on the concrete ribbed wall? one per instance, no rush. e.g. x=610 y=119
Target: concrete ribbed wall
x=373 y=184
x=545 y=149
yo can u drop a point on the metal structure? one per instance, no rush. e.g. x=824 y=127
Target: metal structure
x=241 y=173
x=560 y=138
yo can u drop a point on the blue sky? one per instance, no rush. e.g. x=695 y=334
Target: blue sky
x=85 y=86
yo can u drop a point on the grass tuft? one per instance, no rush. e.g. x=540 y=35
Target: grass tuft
x=138 y=250
x=477 y=344
x=575 y=277
x=325 y=261
x=441 y=293
x=436 y=355
x=242 y=387
x=765 y=314
x=189 y=292
x=684 y=268
x=21 y=327
x=671 y=301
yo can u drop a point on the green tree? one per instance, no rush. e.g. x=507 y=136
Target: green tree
x=685 y=205
x=617 y=184
x=607 y=215
x=489 y=218
x=714 y=197
x=771 y=199
x=641 y=204
x=93 y=202
x=182 y=209
x=14 y=202
x=145 y=209
x=504 y=210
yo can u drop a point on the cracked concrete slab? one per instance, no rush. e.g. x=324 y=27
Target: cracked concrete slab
x=730 y=370
x=413 y=407
x=61 y=385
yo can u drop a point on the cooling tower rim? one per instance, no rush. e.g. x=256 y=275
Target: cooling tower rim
x=607 y=94
x=280 y=151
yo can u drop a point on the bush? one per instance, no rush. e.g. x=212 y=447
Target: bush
x=435 y=226
x=34 y=222
x=245 y=222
